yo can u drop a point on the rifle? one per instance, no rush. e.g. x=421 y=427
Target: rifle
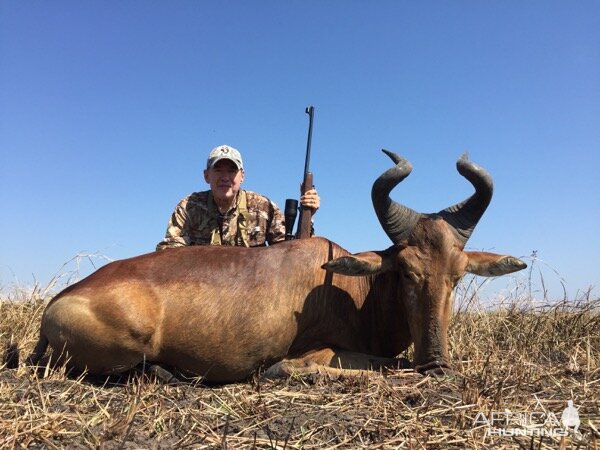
x=305 y=220
x=291 y=205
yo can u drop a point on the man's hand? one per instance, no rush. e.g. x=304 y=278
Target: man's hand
x=311 y=200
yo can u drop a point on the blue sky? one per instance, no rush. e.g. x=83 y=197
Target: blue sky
x=109 y=109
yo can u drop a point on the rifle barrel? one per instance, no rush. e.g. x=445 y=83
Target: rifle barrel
x=310 y=111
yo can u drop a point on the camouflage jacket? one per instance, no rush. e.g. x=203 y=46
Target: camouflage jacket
x=254 y=221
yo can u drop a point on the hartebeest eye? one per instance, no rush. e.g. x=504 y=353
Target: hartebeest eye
x=410 y=276
x=408 y=266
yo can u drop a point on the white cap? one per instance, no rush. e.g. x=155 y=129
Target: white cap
x=224 y=152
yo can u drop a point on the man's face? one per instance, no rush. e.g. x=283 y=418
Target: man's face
x=224 y=179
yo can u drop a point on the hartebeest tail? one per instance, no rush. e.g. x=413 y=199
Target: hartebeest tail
x=12 y=355
x=10 y=360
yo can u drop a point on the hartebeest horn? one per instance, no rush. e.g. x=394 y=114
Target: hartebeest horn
x=463 y=216
x=396 y=220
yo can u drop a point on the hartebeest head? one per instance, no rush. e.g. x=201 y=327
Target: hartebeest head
x=428 y=254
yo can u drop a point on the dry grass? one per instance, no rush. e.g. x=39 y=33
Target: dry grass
x=519 y=357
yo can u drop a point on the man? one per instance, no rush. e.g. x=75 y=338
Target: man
x=227 y=214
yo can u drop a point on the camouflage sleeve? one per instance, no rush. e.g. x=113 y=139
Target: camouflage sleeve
x=176 y=235
x=276 y=232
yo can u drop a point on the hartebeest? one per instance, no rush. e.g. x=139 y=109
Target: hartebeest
x=223 y=312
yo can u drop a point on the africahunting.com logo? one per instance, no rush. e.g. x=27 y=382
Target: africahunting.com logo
x=535 y=423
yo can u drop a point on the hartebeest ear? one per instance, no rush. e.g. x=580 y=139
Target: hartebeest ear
x=492 y=265
x=359 y=264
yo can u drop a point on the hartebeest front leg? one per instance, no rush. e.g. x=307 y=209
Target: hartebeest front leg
x=331 y=362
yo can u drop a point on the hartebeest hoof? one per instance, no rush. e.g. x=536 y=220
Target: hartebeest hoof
x=435 y=369
x=163 y=375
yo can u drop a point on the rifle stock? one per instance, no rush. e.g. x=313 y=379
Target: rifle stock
x=305 y=222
